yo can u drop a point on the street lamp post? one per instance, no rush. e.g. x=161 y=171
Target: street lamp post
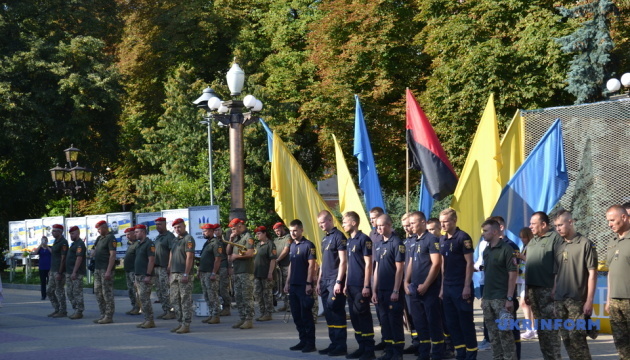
x=72 y=179
x=230 y=113
x=613 y=85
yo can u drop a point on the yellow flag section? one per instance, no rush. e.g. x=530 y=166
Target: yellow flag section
x=479 y=184
x=349 y=199
x=294 y=193
x=512 y=148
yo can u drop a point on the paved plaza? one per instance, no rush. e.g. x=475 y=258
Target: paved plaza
x=26 y=333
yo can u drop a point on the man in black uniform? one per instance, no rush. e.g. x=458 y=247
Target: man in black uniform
x=376 y=238
x=457 y=268
x=300 y=288
x=331 y=283
x=389 y=266
x=358 y=286
x=422 y=283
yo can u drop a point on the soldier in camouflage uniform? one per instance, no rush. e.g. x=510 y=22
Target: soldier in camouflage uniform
x=56 y=277
x=283 y=243
x=539 y=280
x=618 y=304
x=104 y=253
x=500 y=272
x=264 y=266
x=180 y=267
x=164 y=242
x=576 y=279
x=143 y=268
x=224 y=275
x=243 y=266
x=209 y=264
x=76 y=269
x=128 y=264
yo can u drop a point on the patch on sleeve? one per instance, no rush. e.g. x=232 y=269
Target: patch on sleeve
x=312 y=251
x=250 y=241
x=114 y=243
x=274 y=252
x=343 y=242
x=468 y=244
x=220 y=249
x=514 y=261
x=152 y=248
x=79 y=250
x=437 y=246
x=368 y=244
x=401 y=249
x=64 y=248
x=189 y=244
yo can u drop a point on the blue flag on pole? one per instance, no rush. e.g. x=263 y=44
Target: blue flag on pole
x=269 y=138
x=537 y=185
x=368 y=177
x=425 y=201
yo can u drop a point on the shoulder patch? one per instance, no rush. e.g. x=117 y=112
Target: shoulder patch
x=368 y=244
x=437 y=246
x=250 y=241
x=468 y=244
x=64 y=248
x=189 y=244
x=313 y=251
x=344 y=242
x=114 y=243
x=401 y=249
x=153 y=248
x=79 y=250
x=274 y=252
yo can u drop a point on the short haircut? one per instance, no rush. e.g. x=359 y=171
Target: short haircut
x=526 y=233
x=498 y=219
x=377 y=210
x=626 y=206
x=492 y=223
x=419 y=215
x=296 y=222
x=353 y=216
x=326 y=214
x=621 y=209
x=542 y=216
x=404 y=217
x=563 y=213
x=435 y=221
x=450 y=213
x=387 y=218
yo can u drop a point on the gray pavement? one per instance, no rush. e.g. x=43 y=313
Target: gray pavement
x=26 y=333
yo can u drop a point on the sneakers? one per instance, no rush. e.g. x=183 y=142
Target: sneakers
x=484 y=345
x=529 y=335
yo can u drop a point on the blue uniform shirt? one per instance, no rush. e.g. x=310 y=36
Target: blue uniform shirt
x=333 y=242
x=391 y=252
x=300 y=254
x=358 y=247
x=426 y=245
x=453 y=251
x=410 y=246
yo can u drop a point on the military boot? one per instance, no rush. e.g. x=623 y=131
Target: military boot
x=106 y=320
x=238 y=324
x=205 y=321
x=60 y=314
x=266 y=317
x=148 y=324
x=141 y=324
x=225 y=312
x=169 y=316
x=76 y=315
x=134 y=311
x=176 y=328
x=214 y=320
x=184 y=329
x=247 y=325
x=52 y=313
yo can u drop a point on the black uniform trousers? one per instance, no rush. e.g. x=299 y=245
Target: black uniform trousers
x=427 y=316
x=392 y=327
x=361 y=318
x=460 y=321
x=413 y=330
x=335 y=314
x=302 y=312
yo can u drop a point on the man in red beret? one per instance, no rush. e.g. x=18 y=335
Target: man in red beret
x=128 y=264
x=163 y=244
x=143 y=267
x=264 y=266
x=283 y=244
x=76 y=269
x=209 y=264
x=57 y=280
x=243 y=266
x=104 y=253
x=181 y=282
x=225 y=275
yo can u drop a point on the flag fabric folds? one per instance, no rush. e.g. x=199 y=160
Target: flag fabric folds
x=425 y=201
x=479 y=185
x=295 y=195
x=537 y=185
x=427 y=153
x=512 y=148
x=368 y=176
x=269 y=139
x=349 y=199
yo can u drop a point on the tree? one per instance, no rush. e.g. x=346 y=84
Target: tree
x=591 y=43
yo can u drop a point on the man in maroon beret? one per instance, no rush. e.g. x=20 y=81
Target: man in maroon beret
x=76 y=269
x=163 y=244
x=104 y=252
x=128 y=265
x=180 y=268
x=283 y=244
x=57 y=280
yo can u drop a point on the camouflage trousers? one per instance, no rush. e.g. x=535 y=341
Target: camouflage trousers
x=543 y=308
x=162 y=287
x=263 y=294
x=181 y=297
x=620 y=324
x=502 y=340
x=574 y=340
x=144 y=296
x=210 y=290
x=244 y=294
x=224 y=287
x=284 y=271
x=74 y=290
x=104 y=290
x=131 y=289
x=56 y=292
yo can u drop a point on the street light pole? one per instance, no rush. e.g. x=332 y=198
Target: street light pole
x=208 y=122
x=71 y=179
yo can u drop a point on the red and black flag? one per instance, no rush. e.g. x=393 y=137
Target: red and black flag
x=427 y=153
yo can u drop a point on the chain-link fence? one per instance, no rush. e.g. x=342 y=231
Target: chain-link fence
x=596 y=144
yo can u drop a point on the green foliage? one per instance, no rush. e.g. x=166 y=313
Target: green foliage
x=591 y=43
